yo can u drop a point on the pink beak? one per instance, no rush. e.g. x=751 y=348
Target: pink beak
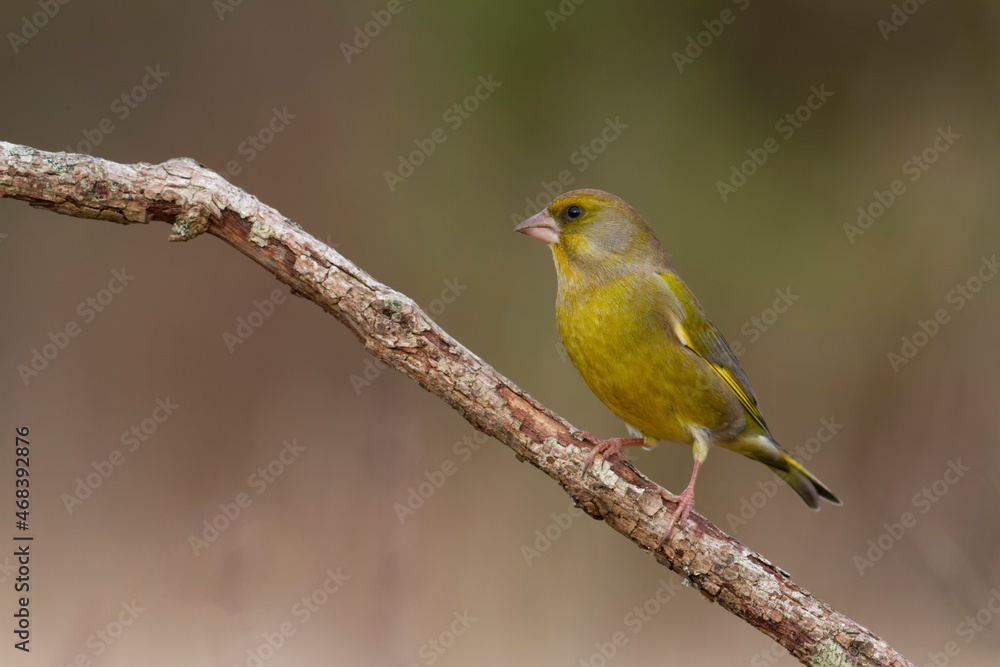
x=540 y=226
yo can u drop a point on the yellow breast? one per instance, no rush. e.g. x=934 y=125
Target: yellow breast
x=617 y=336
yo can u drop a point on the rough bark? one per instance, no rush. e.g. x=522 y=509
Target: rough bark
x=195 y=200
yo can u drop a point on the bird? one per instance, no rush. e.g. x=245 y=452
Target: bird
x=641 y=341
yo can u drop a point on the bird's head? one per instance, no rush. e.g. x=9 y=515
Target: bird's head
x=594 y=231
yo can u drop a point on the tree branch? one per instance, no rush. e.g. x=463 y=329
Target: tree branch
x=395 y=330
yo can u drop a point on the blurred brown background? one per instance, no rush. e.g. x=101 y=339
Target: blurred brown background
x=265 y=91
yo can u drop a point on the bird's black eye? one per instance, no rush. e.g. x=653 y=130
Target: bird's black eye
x=574 y=212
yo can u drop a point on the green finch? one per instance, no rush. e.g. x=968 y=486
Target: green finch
x=643 y=344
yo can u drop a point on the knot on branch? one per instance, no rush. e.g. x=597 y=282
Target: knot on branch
x=190 y=186
x=190 y=223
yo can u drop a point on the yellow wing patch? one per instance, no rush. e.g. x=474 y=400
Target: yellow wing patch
x=747 y=401
x=727 y=375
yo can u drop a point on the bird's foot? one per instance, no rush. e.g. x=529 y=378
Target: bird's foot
x=685 y=502
x=581 y=435
x=609 y=448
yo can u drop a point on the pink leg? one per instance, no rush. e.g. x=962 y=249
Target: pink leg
x=685 y=502
x=609 y=448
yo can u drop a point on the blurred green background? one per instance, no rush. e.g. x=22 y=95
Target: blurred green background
x=265 y=92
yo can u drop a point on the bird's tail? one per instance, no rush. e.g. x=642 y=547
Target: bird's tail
x=771 y=454
x=804 y=482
